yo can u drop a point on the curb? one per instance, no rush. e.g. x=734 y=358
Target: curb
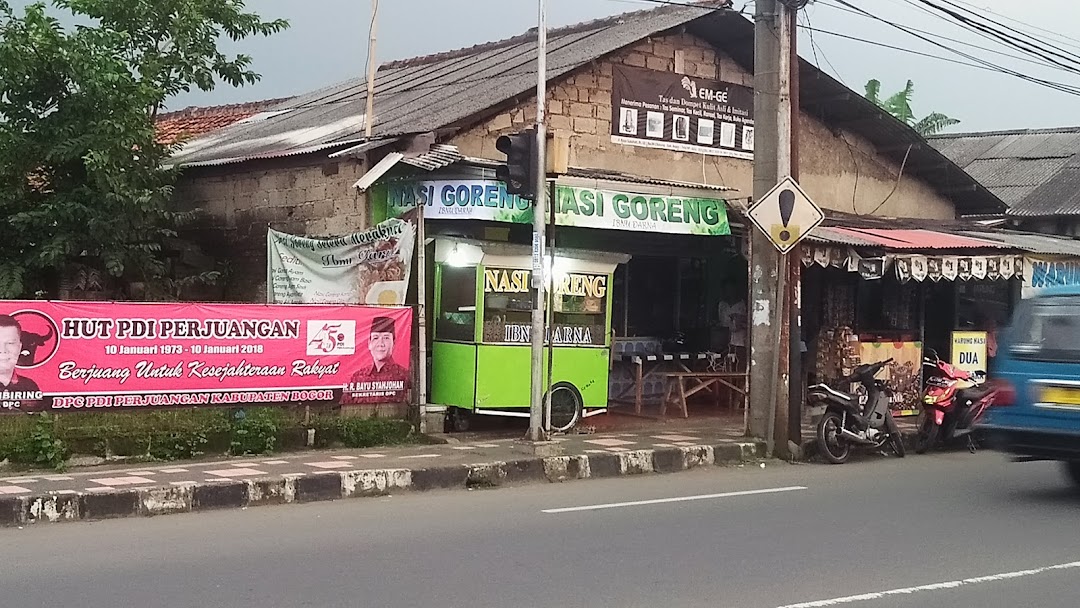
x=315 y=487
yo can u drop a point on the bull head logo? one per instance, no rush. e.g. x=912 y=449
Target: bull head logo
x=30 y=344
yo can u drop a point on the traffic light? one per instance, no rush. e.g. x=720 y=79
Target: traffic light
x=519 y=172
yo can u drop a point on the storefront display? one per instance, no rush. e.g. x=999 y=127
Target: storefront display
x=482 y=328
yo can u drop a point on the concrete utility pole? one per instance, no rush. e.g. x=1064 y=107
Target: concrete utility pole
x=771 y=310
x=369 y=114
x=536 y=403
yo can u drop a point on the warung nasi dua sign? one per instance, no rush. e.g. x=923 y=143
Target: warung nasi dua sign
x=73 y=356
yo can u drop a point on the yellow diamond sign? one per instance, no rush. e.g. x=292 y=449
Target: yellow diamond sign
x=785 y=215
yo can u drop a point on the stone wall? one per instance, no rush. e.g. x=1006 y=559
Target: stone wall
x=299 y=196
x=831 y=164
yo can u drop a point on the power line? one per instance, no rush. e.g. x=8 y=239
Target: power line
x=1063 y=37
x=1073 y=90
x=1042 y=63
x=1045 y=51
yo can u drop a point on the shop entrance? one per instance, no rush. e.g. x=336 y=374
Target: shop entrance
x=678 y=322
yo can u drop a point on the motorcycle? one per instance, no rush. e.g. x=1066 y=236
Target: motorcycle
x=953 y=401
x=845 y=420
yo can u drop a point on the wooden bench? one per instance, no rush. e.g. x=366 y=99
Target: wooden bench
x=687 y=384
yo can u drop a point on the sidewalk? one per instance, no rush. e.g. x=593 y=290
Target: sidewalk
x=145 y=490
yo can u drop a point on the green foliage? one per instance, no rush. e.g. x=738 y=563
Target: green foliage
x=361 y=432
x=82 y=177
x=40 y=446
x=899 y=105
x=256 y=431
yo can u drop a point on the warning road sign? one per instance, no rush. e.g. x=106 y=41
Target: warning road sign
x=786 y=215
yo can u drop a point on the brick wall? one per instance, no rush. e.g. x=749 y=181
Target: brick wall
x=296 y=196
x=830 y=164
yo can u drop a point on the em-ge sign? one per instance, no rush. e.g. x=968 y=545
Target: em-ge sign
x=786 y=215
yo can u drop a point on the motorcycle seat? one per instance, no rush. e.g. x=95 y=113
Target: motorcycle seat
x=976 y=392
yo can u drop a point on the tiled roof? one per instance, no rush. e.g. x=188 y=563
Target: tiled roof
x=189 y=123
x=1034 y=171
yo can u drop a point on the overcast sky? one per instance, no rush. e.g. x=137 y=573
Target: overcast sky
x=327 y=43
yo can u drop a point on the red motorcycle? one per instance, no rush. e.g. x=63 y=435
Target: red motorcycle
x=953 y=402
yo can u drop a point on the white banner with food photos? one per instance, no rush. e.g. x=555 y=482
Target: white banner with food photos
x=368 y=267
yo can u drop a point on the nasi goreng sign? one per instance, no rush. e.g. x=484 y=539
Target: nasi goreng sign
x=92 y=356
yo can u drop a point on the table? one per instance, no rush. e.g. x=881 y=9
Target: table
x=701 y=381
x=648 y=365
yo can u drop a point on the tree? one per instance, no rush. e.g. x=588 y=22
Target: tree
x=899 y=105
x=82 y=177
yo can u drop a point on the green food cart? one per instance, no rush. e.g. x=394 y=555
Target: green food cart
x=482 y=326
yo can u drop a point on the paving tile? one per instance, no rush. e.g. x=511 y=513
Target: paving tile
x=275 y=462
x=19 y=480
x=485 y=445
x=609 y=443
x=236 y=472
x=121 y=481
x=191 y=482
x=373 y=456
x=418 y=456
x=139 y=473
x=618 y=449
x=58 y=478
x=174 y=471
x=331 y=464
x=343 y=457
x=463 y=447
x=8 y=490
x=675 y=437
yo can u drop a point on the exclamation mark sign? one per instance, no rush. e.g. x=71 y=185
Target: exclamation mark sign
x=787 y=206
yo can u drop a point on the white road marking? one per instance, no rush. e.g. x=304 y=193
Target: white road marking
x=867 y=597
x=658 y=501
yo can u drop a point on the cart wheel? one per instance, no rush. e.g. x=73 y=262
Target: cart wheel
x=566 y=406
x=459 y=419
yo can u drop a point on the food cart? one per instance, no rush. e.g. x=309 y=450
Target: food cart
x=482 y=325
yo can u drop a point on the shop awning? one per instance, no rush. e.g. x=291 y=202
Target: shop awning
x=901 y=239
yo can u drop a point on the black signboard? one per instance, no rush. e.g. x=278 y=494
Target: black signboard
x=671 y=111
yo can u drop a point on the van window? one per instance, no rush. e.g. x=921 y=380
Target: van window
x=1048 y=329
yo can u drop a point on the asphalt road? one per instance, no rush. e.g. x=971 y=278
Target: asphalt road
x=891 y=529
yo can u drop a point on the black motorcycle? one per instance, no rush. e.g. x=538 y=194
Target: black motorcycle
x=846 y=422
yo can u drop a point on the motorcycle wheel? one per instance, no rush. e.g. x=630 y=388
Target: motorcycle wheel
x=833 y=447
x=896 y=438
x=927 y=435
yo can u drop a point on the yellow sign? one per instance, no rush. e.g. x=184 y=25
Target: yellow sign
x=498 y=280
x=1057 y=395
x=969 y=350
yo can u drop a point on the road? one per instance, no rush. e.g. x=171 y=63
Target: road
x=869 y=527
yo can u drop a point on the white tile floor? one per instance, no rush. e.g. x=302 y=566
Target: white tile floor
x=121 y=481
x=237 y=472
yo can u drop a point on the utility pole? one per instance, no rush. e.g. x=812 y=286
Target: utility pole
x=772 y=307
x=536 y=405
x=369 y=114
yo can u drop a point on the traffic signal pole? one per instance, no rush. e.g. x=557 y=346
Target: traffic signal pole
x=536 y=403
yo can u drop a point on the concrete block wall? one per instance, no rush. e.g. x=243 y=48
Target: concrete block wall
x=298 y=196
x=832 y=162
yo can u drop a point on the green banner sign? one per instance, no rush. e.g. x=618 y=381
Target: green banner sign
x=574 y=206
x=617 y=210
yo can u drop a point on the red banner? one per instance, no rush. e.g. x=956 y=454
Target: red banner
x=76 y=356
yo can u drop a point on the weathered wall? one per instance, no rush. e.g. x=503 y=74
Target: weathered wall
x=830 y=165
x=308 y=198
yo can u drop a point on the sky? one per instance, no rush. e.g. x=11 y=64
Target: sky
x=327 y=43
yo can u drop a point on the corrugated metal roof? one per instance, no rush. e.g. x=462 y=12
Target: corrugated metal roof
x=430 y=93
x=838 y=236
x=1033 y=171
x=904 y=239
x=440 y=155
x=434 y=93
x=1034 y=243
